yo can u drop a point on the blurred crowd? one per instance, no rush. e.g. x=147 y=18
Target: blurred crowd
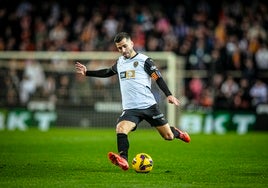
x=226 y=40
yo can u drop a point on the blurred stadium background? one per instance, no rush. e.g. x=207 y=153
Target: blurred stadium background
x=220 y=72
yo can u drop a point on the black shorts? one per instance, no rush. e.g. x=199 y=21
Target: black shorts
x=152 y=115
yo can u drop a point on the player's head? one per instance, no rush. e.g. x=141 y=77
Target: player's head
x=124 y=44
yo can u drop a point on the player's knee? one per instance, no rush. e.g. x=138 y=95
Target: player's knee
x=120 y=129
x=125 y=127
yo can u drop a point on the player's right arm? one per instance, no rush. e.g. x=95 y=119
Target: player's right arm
x=82 y=69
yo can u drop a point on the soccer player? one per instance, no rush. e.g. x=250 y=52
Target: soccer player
x=135 y=72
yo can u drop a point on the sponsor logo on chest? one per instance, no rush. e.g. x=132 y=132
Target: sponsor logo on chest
x=127 y=74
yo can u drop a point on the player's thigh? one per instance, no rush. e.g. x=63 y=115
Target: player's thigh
x=128 y=121
x=165 y=131
x=125 y=126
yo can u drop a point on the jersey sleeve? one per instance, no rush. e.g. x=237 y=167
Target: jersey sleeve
x=151 y=69
x=103 y=73
x=114 y=68
x=155 y=74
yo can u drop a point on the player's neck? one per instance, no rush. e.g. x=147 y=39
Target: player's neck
x=133 y=54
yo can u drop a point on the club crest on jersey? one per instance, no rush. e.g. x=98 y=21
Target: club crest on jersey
x=136 y=63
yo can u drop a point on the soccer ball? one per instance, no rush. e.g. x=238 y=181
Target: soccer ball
x=142 y=163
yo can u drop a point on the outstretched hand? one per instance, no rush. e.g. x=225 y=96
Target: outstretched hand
x=173 y=100
x=80 y=68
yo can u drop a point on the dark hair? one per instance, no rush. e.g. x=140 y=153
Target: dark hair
x=120 y=36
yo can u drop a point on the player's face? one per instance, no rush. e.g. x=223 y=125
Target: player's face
x=125 y=47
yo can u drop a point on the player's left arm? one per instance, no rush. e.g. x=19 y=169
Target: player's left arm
x=155 y=74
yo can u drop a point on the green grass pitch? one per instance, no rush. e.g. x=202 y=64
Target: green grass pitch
x=78 y=158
